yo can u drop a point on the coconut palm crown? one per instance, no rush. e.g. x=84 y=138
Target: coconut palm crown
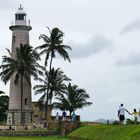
x=56 y=78
x=73 y=98
x=53 y=44
x=23 y=65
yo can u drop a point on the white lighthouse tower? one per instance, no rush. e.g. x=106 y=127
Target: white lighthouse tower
x=20 y=35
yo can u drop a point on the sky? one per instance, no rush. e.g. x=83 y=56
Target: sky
x=105 y=40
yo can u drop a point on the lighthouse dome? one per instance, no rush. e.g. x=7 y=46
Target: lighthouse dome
x=20 y=10
x=20 y=16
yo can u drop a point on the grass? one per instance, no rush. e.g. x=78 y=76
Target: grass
x=33 y=138
x=107 y=132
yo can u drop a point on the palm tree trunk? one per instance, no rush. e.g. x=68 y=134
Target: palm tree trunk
x=46 y=104
x=21 y=121
x=51 y=63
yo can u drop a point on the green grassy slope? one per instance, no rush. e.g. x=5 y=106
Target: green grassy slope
x=33 y=138
x=107 y=132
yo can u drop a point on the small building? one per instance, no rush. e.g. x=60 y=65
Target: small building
x=39 y=113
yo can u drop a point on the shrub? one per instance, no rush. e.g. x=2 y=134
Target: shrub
x=116 y=122
x=129 y=121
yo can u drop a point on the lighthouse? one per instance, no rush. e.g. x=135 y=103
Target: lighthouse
x=20 y=35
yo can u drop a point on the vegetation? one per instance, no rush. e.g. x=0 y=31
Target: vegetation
x=116 y=122
x=4 y=99
x=33 y=138
x=52 y=44
x=107 y=132
x=56 y=78
x=73 y=98
x=129 y=121
x=21 y=67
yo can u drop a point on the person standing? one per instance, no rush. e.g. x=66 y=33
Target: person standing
x=57 y=116
x=64 y=114
x=45 y=124
x=33 y=126
x=73 y=117
x=121 y=113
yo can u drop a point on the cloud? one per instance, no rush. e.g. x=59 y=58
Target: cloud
x=134 y=25
x=132 y=59
x=6 y=4
x=93 y=46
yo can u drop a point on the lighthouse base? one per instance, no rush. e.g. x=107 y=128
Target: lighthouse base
x=16 y=117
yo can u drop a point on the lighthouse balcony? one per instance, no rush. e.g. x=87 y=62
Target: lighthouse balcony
x=20 y=25
x=20 y=22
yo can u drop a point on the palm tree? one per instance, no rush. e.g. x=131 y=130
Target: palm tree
x=22 y=66
x=56 y=79
x=53 y=44
x=73 y=98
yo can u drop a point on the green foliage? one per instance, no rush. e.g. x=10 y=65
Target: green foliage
x=34 y=138
x=4 y=99
x=116 y=122
x=56 y=79
x=23 y=65
x=53 y=43
x=73 y=98
x=107 y=132
x=129 y=121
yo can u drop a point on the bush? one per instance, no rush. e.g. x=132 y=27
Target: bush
x=129 y=121
x=116 y=122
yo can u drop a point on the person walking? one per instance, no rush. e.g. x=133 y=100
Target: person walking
x=121 y=113
x=136 y=115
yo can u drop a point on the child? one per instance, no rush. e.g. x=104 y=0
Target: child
x=135 y=113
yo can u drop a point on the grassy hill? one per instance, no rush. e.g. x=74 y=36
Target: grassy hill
x=33 y=138
x=106 y=132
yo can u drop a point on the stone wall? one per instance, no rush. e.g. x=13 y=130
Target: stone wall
x=27 y=133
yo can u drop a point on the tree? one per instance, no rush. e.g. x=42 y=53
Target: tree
x=53 y=44
x=4 y=99
x=73 y=98
x=21 y=67
x=56 y=79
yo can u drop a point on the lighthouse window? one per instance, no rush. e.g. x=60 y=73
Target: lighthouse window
x=20 y=17
x=26 y=101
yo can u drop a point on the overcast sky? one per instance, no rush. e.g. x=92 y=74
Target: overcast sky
x=105 y=38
